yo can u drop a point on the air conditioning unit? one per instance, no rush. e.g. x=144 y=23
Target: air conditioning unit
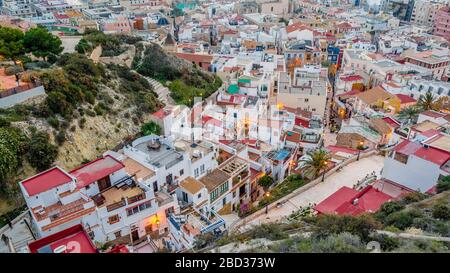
x=40 y=211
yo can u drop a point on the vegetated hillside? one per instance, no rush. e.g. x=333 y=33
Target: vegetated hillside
x=112 y=44
x=184 y=79
x=416 y=213
x=89 y=109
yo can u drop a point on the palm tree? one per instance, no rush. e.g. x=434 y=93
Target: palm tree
x=428 y=102
x=315 y=163
x=409 y=113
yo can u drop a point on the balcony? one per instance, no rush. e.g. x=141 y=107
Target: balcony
x=116 y=205
x=121 y=194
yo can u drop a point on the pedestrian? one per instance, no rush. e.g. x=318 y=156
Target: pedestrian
x=17 y=78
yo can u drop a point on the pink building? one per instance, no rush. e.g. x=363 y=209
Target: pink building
x=117 y=25
x=442 y=23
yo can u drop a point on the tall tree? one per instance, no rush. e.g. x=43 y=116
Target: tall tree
x=315 y=163
x=11 y=43
x=428 y=102
x=41 y=153
x=265 y=181
x=409 y=113
x=42 y=43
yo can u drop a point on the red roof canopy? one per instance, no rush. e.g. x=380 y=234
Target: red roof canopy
x=96 y=170
x=405 y=98
x=74 y=239
x=343 y=202
x=45 y=181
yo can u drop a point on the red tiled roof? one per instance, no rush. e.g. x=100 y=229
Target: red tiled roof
x=197 y=58
x=334 y=201
x=351 y=78
x=405 y=98
x=118 y=249
x=335 y=149
x=345 y=25
x=161 y=113
x=407 y=147
x=96 y=170
x=392 y=122
x=430 y=133
x=296 y=26
x=433 y=114
x=343 y=202
x=292 y=136
x=212 y=121
x=45 y=181
x=301 y=122
x=434 y=155
x=350 y=93
x=74 y=239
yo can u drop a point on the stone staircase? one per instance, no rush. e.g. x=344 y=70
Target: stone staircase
x=162 y=91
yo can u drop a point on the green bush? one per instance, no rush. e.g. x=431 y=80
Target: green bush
x=265 y=181
x=151 y=128
x=387 y=243
x=13 y=69
x=441 y=211
x=290 y=184
x=387 y=209
x=41 y=153
x=60 y=137
x=403 y=219
x=443 y=184
x=4 y=122
x=54 y=122
x=362 y=226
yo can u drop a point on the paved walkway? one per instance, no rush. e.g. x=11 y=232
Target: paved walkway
x=348 y=176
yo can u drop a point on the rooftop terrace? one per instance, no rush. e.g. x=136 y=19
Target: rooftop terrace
x=159 y=154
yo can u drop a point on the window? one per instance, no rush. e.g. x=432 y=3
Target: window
x=234 y=194
x=306 y=100
x=224 y=201
x=202 y=169
x=113 y=219
x=196 y=172
x=199 y=195
x=169 y=179
x=139 y=208
x=181 y=172
x=401 y=158
x=117 y=234
x=87 y=187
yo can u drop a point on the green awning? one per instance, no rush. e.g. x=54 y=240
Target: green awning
x=244 y=81
x=233 y=89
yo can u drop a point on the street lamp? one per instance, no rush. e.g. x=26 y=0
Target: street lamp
x=324 y=171
x=267 y=205
x=359 y=149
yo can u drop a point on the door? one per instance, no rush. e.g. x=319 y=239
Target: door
x=104 y=183
x=155 y=186
x=135 y=235
x=185 y=197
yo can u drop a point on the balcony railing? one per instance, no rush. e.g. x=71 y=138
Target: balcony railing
x=116 y=205
x=136 y=198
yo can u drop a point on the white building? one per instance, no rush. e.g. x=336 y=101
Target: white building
x=407 y=162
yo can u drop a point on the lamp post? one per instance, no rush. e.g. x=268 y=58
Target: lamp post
x=324 y=171
x=359 y=149
x=267 y=205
